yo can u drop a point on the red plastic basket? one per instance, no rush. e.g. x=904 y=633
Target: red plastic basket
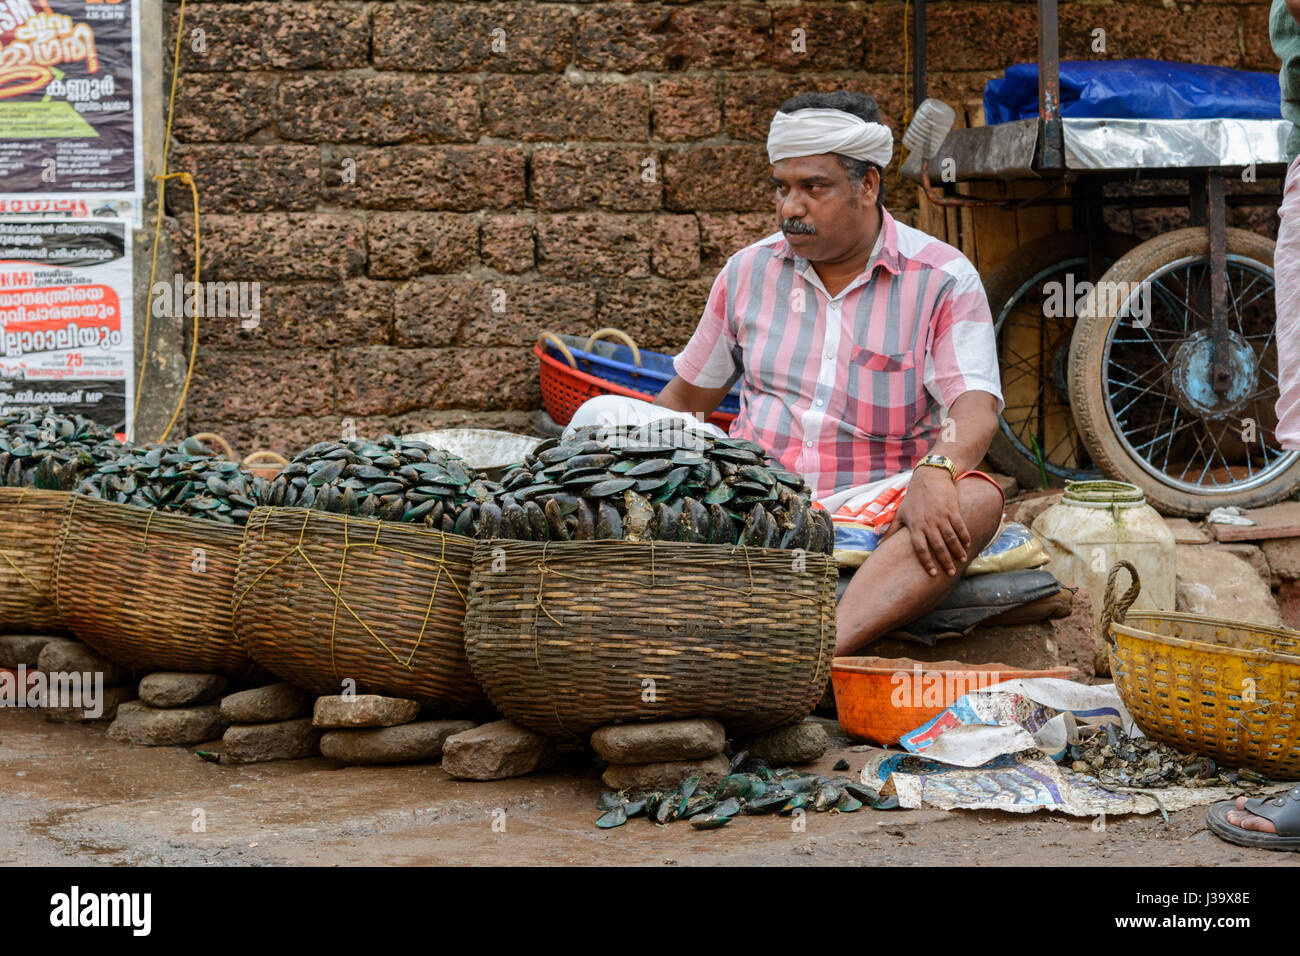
x=564 y=388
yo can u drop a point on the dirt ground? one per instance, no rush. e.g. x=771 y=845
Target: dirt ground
x=68 y=795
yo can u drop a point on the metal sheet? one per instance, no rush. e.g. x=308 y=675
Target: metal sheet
x=1005 y=151
x=1172 y=144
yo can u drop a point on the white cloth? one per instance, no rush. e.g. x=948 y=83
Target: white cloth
x=618 y=411
x=815 y=131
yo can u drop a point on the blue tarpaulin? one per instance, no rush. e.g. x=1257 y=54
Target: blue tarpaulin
x=1137 y=89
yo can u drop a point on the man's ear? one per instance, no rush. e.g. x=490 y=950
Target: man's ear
x=871 y=185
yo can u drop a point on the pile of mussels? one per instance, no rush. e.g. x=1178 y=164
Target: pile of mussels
x=43 y=449
x=751 y=788
x=186 y=479
x=660 y=482
x=390 y=478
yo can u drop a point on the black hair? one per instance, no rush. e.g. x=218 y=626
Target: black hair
x=846 y=101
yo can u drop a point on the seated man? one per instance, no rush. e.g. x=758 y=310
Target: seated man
x=850 y=334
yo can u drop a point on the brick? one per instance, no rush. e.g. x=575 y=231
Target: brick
x=676 y=252
x=973 y=37
x=750 y=100
x=309 y=315
x=658 y=313
x=594 y=177
x=686 y=107
x=460 y=311
x=378 y=380
x=459 y=38
x=455 y=178
x=585 y=244
x=623 y=38
x=223 y=107
x=1258 y=53
x=507 y=243
x=274 y=246
x=384 y=108
x=718 y=177
x=401 y=244
x=274 y=36
x=240 y=385
x=727 y=37
x=1288 y=601
x=1203 y=34
x=831 y=38
x=532 y=108
x=238 y=178
x=1283 y=556
x=723 y=235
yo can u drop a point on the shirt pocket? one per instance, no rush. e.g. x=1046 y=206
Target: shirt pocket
x=884 y=392
x=867 y=360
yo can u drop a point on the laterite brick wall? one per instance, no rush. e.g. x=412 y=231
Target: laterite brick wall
x=421 y=187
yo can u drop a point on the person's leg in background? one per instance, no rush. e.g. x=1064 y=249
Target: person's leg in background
x=1286 y=278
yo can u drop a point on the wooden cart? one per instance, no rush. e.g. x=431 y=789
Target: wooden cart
x=1176 y=397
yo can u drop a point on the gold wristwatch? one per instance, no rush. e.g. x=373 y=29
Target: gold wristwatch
x=939 y=461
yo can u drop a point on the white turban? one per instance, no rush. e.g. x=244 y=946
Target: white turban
x=814 y=131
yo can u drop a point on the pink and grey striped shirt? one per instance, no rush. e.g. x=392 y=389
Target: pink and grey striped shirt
x=851 y=389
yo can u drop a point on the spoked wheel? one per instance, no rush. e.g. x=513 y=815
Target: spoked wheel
x=1033 y=351
x=1143 y=386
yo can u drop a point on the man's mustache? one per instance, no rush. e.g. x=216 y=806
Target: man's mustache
x=797 y=225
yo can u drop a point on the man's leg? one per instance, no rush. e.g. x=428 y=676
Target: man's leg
x=892 y=588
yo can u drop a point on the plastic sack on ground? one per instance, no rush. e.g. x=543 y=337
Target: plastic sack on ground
x=1013 y=549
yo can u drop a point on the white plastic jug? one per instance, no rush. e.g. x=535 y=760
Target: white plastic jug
x=1095 y=524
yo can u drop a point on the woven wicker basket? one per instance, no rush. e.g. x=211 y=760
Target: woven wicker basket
x=150 y=590
x=567 y=637
x=321 y=598
x=30 y=521
x=1222 y=689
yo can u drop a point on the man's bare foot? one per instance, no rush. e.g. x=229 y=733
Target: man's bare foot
x=1241 y=817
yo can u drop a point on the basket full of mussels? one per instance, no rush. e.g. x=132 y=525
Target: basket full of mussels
x=166 y=520
x=42 y=456
x=358 y=569
x=651 y=574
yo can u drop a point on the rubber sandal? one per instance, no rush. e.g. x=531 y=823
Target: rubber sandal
x=1283 y=810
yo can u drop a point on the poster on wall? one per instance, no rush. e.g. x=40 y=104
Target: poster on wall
x=70 y=123
x=65 y=318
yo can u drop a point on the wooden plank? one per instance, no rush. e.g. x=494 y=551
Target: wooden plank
x=1274 y=521
x=1033 y=222
x=996 y=239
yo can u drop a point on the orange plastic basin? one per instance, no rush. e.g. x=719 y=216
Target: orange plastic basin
x=878 y=699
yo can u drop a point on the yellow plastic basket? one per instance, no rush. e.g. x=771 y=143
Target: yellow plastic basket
x=1222 y=689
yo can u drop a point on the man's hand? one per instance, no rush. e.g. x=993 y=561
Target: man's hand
x=930 y=514
x=681 y=396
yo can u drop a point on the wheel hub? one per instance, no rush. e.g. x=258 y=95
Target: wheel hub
x=1191 y=374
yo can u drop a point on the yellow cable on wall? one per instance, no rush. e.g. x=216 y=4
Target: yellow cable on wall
x=157 y=232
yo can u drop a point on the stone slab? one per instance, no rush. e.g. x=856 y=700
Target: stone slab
x=406 y=743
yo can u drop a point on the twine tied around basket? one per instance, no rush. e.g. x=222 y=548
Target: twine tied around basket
x=1114 y=610
x=337 y=591
x=539 y=605
x=22 y=493
x=544 y=569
